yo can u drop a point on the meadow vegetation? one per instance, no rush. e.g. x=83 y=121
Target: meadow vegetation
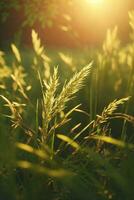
x=67 y=121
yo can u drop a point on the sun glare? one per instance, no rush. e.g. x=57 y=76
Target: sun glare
x=95 y=2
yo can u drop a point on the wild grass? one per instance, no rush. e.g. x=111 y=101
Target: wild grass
x=70 y=134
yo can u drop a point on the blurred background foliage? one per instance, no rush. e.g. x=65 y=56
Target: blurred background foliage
x=75 y=22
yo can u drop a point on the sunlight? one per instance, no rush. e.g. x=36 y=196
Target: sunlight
x=95 y=2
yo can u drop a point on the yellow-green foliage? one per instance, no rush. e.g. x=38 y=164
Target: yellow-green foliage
x=55 y=134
